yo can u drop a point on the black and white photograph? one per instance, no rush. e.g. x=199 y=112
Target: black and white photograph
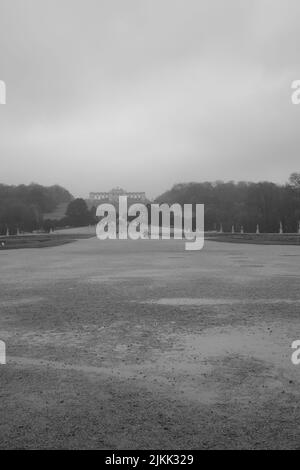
x=149 y=227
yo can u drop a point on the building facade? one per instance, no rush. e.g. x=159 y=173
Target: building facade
x=113 y=196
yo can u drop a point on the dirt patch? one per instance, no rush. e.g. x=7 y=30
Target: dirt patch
x=180 y=351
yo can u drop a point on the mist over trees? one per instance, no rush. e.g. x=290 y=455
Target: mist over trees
x=22 y=207
x=242 y=204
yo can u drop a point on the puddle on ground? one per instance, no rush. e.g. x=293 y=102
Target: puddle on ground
x=195 y=302
x=21 y=302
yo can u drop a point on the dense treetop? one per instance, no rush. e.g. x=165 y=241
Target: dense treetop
x=22 y=207
x=242 y=204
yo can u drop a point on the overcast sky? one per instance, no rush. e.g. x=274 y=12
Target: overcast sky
x=148 y=93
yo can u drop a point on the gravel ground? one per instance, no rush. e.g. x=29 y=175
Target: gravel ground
x=131 y=345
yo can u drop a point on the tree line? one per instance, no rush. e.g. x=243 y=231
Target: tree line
x=243 y=204
x=227 y=204
x=22 y=207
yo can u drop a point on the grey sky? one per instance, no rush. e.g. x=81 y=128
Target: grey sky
x=147 y=93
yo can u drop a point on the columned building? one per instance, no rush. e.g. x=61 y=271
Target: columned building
x=113 y=196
